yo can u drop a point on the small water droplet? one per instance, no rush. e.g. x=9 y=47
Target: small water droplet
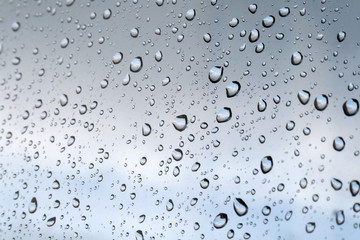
x=232 y=89
x=169 y=205
x=340 y=217
x=118 y=56
x=136 y=64
x=234 y=22
x=215 y=74
x=261 y=105
x=268 y=21
x=63 y=100
x=354 y=187
x=283 y=12
x=310 y=227
x=338 y=143
x=107 y=14
x=254 y=35
x=336 y=184
x=252 y=8
x=223 y=115
x=51 y=222
x=321 y=102
x=146 y=129
x=33 y=205
x=64 y=42
x=341 y=36
x=180 y=122
x=240 y=207
x=296 y=58
x=190 y=14
x=303 y=96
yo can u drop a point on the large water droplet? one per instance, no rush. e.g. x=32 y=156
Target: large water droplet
x=339 y=143
x=126 y=80
x=180 y=122
x=354 y=187
x=169 y=205
x=204 y=183
x=341 y=36
x=283 y=12
x=134 y=32
x=15 y=26
x=146 y=129
x=240 y=207
x=158 y=56
x=33 y=205
x=136 y=64
x=232 y=89
x=252 y=8
x=51 y=222
x=310 y=227
x=321 y=102
x=336 y=184
x=166 y=81
x=268 y=21
x=107 y=13
x=223 y=115
x=177 y=154
x=139 y=235
x=303 y=96
x=220 y=220
x=63 y=100
x=254 y=35
x=190 y=14
x=261 y=105
x=207 y=37
x=76 y=202
x=118 y=56
x=234 y=22
x=351 y=107
x=296 y=58
x=64 y=42
x=215 y=74
x=340 y=217
x=266 y=164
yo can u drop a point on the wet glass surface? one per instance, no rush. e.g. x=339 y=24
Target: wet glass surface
x=174 y=119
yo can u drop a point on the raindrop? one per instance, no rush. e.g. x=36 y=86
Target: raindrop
x=146 y=129
x=223 y=115
x=296 y=58
x=266 y=164
x=204 y=183
x=283 y=12
x=340 y=217
x=207 y=37
x=303 y=96
x=252 y=8
x=232 y=89
x=63 y=100
x=354 y=187
x=33 y=205
x=290 y=125
x=321 y=102
x=64 y=42
x=76 y=202
x=177 y=154
x=136 y=64
x=341 y=36
x=336 y=184
x=268 y=21
x=134 y=32
x=126 y=80
x=351 y=107
x=338 y=143
x=310 y=227
x=261 y=105
x=220 y=220
x=190 y=14
x=118 y=56
x=107 y=14
x=215 y=74
x=180 y=122
x=51 y=222
x=165 y=81
x=234 y=22
x=71 y=141
x=240 y=207
x=169 y=205
x=15 y=26
x=254 y=35
x=139 y=235
x=158 y=56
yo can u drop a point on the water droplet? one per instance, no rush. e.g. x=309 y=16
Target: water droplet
x=354 y=187
x=76 y=202
x=126 y=80
x=351 y=107
x=158 y=56
x=82 y=109
x=180 y=122
x=204 y=183
x=339 y=143
x=290 y=125
x=134 y=32
x=321 y=102
x=146 y=129
x=139 y=235
x=177 y=154
x=190 y=14
x=310 y=227
x=63 y=100
x=252 y=8
x=283 y=12
x=220 y=220
x=104 y=83
x=240 y=207
x=232 y=89
x=254 y=35
x=107 y=13
x=207 y=37
x=195 y=166
x=261 y=105
x=234 y=22
x=51 y=222
x=165 y=81
x=296 y=58
x=288 y=215
x=303 y=183
x=15 y=26
x=266 y=211
x=223 y=115
x=169 y=205
x=215 y=74
x=143 y=161
x=268 y=21
x=341 y=36
x=71 y=141
x=336 y=184
x=340 y=217
x=118 y=56
x=136 y=64
x=303 y=96
x=69 y=2
x=176 y=171
x=33 y=205
x=266 y=164
x=64 y=43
